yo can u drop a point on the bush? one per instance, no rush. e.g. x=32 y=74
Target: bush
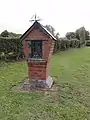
x=74 y=43
x=11 y=56
x=65 y=44
x=10 y=48
x=88 y=43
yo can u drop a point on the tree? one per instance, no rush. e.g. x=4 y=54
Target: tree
x=87 y=35
x=71 y=35
x=77 y=34
x=11 y=34
x=50 y=29
x=57 y=35
x=80 y=33
x=5 y=33
x=57 y=43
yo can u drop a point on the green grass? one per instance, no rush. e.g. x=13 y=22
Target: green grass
x=71 y=102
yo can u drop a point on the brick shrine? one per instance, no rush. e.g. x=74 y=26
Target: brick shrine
x=38 y=46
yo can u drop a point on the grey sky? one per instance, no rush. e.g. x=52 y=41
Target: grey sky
x=63 y=15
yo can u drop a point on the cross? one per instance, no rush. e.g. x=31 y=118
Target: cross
x=34 y=18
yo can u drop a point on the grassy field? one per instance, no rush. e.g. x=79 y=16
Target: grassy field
x=72 y=101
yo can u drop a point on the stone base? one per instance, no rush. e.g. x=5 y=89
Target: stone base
x=39 y=83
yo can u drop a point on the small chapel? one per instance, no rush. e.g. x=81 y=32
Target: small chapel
x=38 y=46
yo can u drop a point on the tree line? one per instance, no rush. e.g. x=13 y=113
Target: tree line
x=11 y=45
x=71 y=39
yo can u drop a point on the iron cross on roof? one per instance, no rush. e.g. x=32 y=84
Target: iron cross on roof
x=35 y=18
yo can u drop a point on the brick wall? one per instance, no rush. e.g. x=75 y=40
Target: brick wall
x=37 y=34
x=37 y=70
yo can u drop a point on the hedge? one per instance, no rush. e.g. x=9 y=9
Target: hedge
x=11 y=48
x=88 y=43
x=64 y=44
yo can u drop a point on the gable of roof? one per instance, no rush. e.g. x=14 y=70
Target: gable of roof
x=41 y=27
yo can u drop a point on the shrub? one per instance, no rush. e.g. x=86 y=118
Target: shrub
x=88 y=43
x=64 y=44
x=74 y=43
x=10 y=45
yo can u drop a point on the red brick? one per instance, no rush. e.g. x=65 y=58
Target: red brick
x=39 y=70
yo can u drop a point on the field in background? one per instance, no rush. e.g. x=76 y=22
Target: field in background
x=72 y=101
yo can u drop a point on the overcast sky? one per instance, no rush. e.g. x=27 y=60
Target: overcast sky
x=63 y=15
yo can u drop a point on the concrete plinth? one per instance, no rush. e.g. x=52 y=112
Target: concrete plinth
x=38 y=83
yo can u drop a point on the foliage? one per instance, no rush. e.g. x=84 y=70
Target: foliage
x=88 y=43
x=81 y=34
x=10 y=42
x=5 y=33
x=87 y=35
x=70 y=102
x=10 y=45
x=70 y=41
x=64 y=44
x=50 y=29
x=71 y=35
x=74 y=43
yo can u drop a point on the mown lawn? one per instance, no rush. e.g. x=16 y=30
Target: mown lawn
x=72 y=101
